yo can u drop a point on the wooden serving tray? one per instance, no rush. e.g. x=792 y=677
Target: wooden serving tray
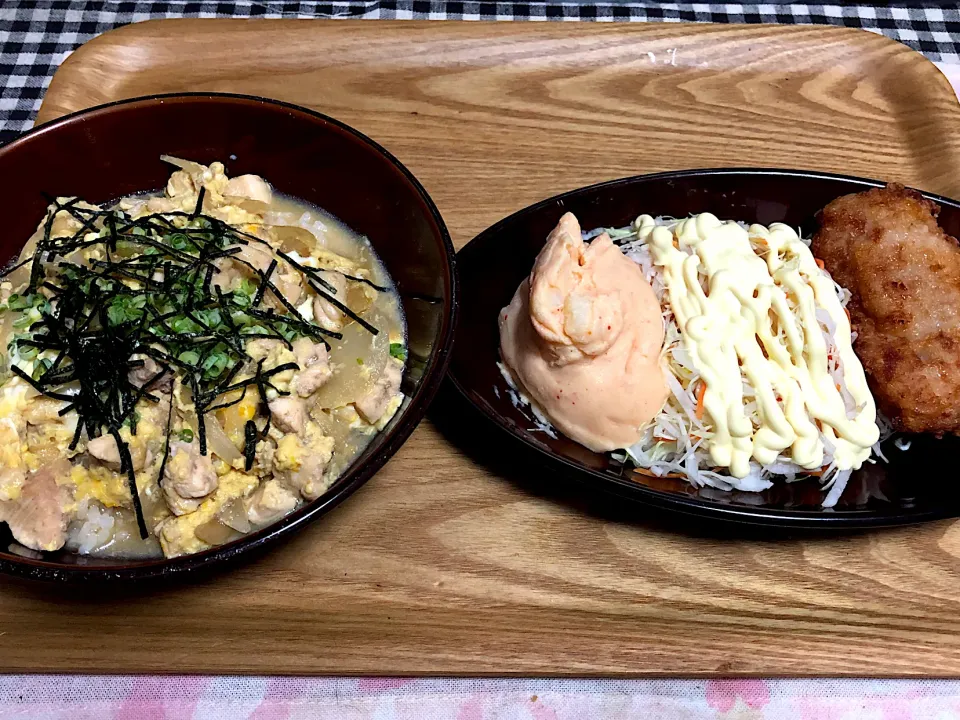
x=444 y=565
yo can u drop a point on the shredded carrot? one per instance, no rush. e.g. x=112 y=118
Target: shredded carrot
x=650 y=474
x=820 y=264
x=838 y=387
x=660 y=438
x=849 y=319
x=701 y=390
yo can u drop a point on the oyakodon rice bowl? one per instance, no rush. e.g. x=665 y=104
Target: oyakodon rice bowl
x=184 y=368
x=759 y=381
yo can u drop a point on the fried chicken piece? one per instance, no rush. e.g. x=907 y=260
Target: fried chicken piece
x=884 y=245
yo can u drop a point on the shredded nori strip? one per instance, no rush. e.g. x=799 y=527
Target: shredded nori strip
x=378 y=288
x=14 y=268
x=344 y=309
x=250 y=444
x=155 y=295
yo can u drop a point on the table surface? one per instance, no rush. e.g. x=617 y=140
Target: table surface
x=35 y=37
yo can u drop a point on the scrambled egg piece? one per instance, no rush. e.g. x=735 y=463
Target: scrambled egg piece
x=149 y=434
x=64 y=222
x=289 y=453
x=273 y=355
x=12 y=465
x=47 y=434
x=331 y=261
x=178 y=533
x=98 y=483
x=302 y=460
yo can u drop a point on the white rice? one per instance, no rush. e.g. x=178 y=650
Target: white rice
x=92 y=529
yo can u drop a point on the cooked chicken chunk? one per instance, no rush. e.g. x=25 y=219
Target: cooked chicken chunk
x=181 y=183
x=187 y=478
x=253 y=187
x=326 y=314
x=184 y=184
x=273 y=353
x=46 y=432
x=269 y=502
x=148 y=371
x=161 y=205
x=260 y=348
x=302 y=459
x=42 y=410
x=289 y=413
x=36 y=518
x=885 y=246
x=256 y=256
x=104 y=449
x=314 y=365
x=374 y=404
x=66 y=223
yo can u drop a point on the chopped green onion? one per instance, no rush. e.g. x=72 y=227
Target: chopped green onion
x=189 y=357
x=179 y=241
x=214 y=364
x=41 y=367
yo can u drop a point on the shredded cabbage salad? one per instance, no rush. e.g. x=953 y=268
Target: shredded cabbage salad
x=676 y=443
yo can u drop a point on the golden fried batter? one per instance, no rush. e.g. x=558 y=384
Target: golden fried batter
x=885 y=246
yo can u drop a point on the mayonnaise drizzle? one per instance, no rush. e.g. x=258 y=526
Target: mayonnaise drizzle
x=757 y=321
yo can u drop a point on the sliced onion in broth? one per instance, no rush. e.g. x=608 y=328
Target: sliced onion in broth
x=214 y=532
x=217 y=439
x=350 y=382
x=360 y=297
x=295 y=239
x=257 y=207
x=188 y=165
x=235 y=515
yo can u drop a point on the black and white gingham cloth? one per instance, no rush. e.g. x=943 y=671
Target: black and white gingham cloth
x=36 y=35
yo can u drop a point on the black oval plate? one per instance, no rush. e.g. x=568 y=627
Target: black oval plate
x=915 y=486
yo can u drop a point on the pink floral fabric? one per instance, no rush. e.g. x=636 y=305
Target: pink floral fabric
x=46 y=697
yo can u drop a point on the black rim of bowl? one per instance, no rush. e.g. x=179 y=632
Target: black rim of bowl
x=354 y=477
x=689 y=506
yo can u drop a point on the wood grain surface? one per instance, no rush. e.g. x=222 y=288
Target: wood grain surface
x=457 y=558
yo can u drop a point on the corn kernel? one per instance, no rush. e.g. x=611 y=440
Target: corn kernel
x=247 y=411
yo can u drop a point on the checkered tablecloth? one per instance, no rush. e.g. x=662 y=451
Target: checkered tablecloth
x=36 y=35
